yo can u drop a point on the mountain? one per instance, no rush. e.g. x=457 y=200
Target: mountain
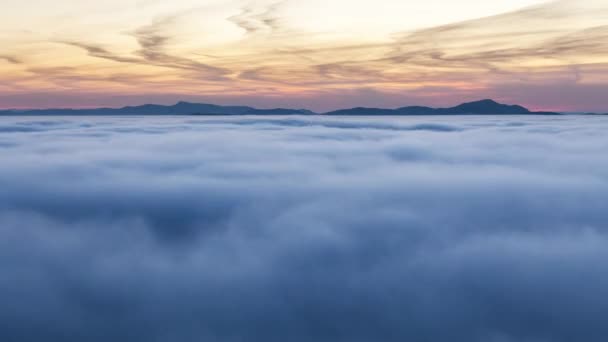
x=483 y=107
x=278 y=111
x=181 y=108
x=363 y=111
x=486 y=107
x=416 y=110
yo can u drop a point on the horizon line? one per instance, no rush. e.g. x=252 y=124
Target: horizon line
x=175 y=103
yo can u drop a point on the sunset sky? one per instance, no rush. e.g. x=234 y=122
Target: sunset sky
x=316 y=54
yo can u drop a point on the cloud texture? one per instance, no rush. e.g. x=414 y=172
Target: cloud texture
x=304 y=229
x=436 y=52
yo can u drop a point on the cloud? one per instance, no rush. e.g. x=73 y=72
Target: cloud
x=303 y=229
x=11 y=59
x=253 y=20
x=489 y=41
x=260 y=50
x=153 y=41
x=100 y=52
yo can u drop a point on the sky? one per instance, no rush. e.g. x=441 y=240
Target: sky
x=320 y=55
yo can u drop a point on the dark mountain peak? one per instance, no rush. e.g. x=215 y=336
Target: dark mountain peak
x=486 y=107
x=183 y=103
x=486 y=102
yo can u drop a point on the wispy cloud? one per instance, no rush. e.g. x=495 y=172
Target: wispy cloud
x=255 y=46
x=254 y=20
x=100 y=52
x=11 y=59
x=153 y=44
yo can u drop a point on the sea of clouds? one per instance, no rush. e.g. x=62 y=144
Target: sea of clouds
x=304 y=229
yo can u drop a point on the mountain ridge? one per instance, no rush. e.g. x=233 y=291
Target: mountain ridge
x=482 y=107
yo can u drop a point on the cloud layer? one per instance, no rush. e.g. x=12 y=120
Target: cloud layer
x=304 y=229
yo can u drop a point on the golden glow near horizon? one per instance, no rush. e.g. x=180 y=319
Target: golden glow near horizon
x=307 y=49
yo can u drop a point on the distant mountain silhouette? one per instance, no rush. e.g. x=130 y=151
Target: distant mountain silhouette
x=484 y=107
x=278 y=111
x=364 y=111
x=181 y=108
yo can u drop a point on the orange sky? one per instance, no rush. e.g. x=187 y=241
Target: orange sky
x=304 y=53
